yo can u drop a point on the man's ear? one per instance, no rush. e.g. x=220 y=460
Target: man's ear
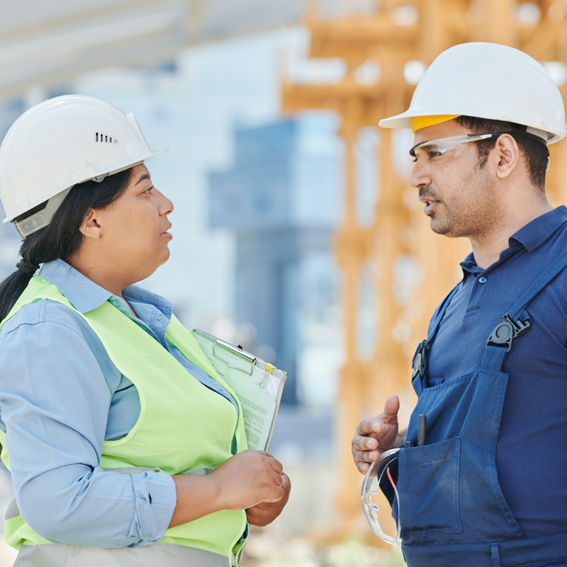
x=507 y=156
x=90 y=226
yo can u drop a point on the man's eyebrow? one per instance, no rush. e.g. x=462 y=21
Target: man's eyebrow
x=145 y=176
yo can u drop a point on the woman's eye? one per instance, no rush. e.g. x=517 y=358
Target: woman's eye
x=149 y=189
x=433 y=153
x=414 y=159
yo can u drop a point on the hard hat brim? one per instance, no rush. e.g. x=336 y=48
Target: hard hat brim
x=98 y=174
x=403 y=122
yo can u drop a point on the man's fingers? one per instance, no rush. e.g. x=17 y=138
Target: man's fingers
x=361 y=443
x=375 y=435
x=390 y=414
x=367 y=456
x=369 y=426
x=391 y=407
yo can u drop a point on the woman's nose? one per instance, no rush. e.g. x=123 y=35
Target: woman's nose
x=166 y=206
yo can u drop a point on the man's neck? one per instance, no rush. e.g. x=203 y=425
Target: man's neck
x=487 y=248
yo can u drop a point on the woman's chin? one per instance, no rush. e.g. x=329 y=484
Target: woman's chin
x=165 y=254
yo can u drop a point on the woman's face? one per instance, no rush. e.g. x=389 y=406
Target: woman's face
x=134 y=229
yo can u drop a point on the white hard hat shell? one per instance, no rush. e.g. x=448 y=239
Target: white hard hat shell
x=491 y=81
x=61 y=142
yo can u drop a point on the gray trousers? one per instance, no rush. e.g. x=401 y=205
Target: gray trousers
x=155 y=555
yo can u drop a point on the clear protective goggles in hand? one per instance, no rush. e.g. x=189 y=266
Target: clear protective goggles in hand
x=439 y=147
x=371 y=487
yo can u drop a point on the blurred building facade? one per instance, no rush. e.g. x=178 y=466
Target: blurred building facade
x=9 y=239
x=281 y=200
x=191 y=106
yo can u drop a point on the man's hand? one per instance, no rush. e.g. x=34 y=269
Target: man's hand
x=266 y=512
x=376 y=435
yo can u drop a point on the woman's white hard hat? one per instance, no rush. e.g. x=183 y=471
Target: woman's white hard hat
x=491 y=81
x=61 y=142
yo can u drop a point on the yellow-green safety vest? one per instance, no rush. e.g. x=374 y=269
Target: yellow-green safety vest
x=183 y=425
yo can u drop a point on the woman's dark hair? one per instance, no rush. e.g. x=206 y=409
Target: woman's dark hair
x=536 y=154
x=61 y=238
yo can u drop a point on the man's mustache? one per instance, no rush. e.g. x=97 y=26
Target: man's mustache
x=427 y=193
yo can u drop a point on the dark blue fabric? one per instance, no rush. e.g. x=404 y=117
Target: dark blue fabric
x=531 y=456
x=491 y=479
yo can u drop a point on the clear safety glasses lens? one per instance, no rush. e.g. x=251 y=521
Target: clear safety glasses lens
x=371 y=487
x=439 y=147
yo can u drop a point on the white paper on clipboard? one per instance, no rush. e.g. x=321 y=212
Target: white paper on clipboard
x=258 y=385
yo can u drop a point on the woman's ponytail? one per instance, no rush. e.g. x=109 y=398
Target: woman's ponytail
x=61 y=238
x=11 y=289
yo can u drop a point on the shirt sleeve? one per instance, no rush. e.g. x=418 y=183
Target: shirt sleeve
x=55 y=402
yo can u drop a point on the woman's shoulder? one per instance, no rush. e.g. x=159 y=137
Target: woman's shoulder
x=54 y=331
x=44 y=314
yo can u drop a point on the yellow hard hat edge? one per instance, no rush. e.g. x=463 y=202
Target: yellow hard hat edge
x=419 y=122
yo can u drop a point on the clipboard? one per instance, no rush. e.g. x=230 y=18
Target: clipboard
x=258 y=385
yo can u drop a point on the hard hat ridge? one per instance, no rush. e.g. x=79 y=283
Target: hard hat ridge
x=488 y=81
x=59 y=143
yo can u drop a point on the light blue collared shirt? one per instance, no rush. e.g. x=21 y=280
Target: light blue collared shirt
x=61 y=397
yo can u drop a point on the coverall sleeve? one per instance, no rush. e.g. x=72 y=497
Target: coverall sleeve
x=55 y=401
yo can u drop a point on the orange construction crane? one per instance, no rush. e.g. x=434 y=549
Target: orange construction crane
x=396 y=36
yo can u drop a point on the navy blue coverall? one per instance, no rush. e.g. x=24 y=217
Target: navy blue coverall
x=489 y=487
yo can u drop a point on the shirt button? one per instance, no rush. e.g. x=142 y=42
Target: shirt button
x=482 y=280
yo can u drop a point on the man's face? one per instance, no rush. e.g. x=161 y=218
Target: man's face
x=459 y=196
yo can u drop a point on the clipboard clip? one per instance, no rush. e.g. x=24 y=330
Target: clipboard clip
x=243 y=362
x=268 y=371
x=265 y=379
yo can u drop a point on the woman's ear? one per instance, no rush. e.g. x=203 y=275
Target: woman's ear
x=90 y=226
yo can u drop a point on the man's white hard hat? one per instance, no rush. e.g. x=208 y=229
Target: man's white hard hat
x=491 y=81
x=61 y=142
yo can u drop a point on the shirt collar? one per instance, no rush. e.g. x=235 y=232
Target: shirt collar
x=136 y=294
x=83 y=293
x=531 y=236
x=86 y=295
x=469 y=265
x=535 y=233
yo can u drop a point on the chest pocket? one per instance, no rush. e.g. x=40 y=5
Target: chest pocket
x=428 y=477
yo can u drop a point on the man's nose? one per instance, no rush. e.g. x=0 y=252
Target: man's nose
x=420 y=174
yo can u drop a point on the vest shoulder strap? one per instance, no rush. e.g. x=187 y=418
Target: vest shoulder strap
x=181 y=337
x=176 y=333
x=37 y=289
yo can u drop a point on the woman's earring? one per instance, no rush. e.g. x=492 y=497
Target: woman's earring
x=100 y=235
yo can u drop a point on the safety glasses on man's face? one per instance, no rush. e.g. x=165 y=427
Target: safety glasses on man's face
x=439 y=147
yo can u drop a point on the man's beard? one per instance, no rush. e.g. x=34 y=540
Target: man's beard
x=472 y=211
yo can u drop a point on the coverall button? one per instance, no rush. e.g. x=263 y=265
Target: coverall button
x=482 y=280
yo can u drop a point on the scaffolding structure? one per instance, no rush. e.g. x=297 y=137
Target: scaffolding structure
x=392 y=34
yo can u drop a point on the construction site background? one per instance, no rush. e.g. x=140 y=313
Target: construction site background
x=318 y=255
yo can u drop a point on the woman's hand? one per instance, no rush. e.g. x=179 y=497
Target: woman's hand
x=241 y=482
x=249 y=478
x=266 y=512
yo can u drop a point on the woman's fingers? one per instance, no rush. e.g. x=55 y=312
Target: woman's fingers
x=276 y=465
